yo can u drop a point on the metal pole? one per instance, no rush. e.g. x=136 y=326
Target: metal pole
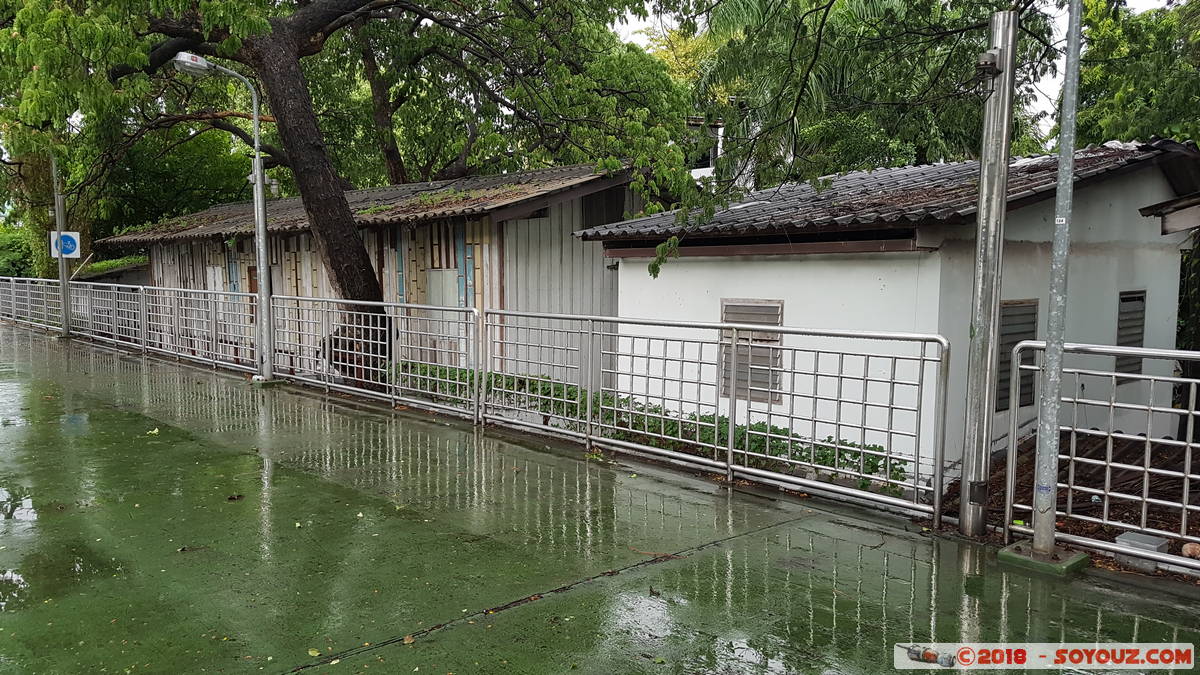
x=1046 y=477
x=733 y=375
x=266 y=325
x=989 y=248
x=60 y=218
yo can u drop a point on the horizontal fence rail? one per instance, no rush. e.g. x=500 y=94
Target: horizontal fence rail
x=855 y=414
x=35 y=302
x=405 y=353
x=1128 y=431
x=859 y=414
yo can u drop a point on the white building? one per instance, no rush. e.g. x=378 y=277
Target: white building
x=893 y=250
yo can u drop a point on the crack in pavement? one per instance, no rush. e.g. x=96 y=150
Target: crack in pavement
x=534 y=597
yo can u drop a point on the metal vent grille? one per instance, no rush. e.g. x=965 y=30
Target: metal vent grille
x=1018 y=321
x=759 y=357
x=1131 y=329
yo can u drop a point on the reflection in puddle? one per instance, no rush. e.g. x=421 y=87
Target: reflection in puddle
x=51 y=571
x=13 y=588
x=16 y=505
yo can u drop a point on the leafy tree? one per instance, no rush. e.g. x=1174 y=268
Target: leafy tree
x=28 y=197
x=14 y=253
x=818 y=86
x=534 y=75
x=176 y=171
x=1140 y=75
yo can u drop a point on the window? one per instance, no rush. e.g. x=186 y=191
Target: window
x=441 y=247
x=705 y=143
x=1131 y=329
x=762 y=375
x=1018 y=321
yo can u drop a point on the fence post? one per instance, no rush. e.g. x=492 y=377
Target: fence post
x=485 y=363
x=1014 y=403
x=939 y=431
x=213 y=326
x=143 y=318
x=733 y=374
x=89 y=306
x=323 y=339
x=589 y=377
x=480 y=368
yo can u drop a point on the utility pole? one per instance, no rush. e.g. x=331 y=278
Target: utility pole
x=60 y=220
x=997 y=66
x=1044 y=554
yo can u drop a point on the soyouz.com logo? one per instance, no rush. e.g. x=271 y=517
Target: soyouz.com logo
x=1043 y=656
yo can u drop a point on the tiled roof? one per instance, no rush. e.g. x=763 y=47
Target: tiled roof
x=395 y=204
x=883 y=198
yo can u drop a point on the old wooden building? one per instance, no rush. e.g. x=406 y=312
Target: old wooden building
x=497 y=242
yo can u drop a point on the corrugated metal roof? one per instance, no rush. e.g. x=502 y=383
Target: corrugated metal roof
x=895 y=197
x=395 y=204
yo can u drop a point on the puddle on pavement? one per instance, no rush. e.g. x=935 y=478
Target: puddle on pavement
x=179 y=519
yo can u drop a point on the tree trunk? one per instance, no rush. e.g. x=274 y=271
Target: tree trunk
x=381 y=115
x=275 y=59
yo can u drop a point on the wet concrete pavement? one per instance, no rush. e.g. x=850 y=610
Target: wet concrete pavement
x=163 y=518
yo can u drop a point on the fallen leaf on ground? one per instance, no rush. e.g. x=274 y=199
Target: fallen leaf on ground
x=314 y=652
x=408 y=639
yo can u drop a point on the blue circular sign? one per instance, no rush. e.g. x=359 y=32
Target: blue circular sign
x=67 y=244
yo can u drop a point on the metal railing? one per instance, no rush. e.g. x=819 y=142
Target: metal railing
x=404 y=353
x=859 y=414
x=1128 y=428
x=34 y=302
x=856 y=414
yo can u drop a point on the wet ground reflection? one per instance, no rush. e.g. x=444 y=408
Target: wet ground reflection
x=159 y=514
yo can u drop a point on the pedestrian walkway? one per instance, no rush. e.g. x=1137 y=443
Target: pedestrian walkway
x=164 y=518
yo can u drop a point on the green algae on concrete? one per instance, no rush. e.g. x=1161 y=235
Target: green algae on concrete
x=160 y=518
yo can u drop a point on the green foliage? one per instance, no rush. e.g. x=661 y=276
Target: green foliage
x=1140 y=74
x=169 y=173
x=811 y=88
x=623 y=418
x=14 y=253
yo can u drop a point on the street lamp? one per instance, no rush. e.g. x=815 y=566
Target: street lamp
x=193 y=64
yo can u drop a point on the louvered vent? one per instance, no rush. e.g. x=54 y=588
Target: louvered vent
x=1018 y=321
x=1131 y=329
x=759 y=358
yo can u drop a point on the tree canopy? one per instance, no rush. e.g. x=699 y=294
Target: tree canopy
x=359 y=92
x=1140 y=75
x=369 y=92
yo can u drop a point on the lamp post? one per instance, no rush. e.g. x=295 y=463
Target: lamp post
x=192 y=64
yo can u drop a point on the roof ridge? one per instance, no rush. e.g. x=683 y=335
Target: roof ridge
x=940 y=191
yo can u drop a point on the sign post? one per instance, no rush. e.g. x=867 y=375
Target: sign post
x=63 y=245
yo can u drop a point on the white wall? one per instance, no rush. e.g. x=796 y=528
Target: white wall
x=892 y=292
x=1114 y=249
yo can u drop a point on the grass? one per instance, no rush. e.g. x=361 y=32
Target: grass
x=102 y=266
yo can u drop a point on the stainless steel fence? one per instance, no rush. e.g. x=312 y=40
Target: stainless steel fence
x=212 y=327
x=31 y=301
x=414 y=354
x=1128 y=429
x=859 y=414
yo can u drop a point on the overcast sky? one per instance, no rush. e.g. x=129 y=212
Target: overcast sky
x=1047 y=100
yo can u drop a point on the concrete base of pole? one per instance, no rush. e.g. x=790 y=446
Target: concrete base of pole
x=258 y=381
x=1060 y=562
